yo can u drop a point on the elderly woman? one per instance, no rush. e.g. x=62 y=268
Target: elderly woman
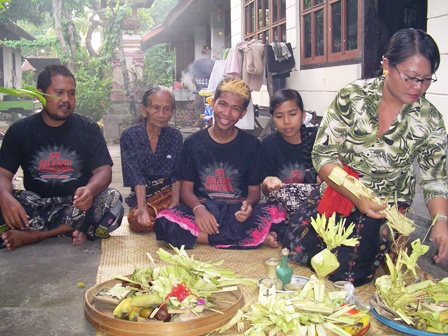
x=149 y=155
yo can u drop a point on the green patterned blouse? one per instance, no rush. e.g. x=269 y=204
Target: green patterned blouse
x=348 y=134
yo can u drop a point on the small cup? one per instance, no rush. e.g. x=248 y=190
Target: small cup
x=294 y=287
x=340 y=284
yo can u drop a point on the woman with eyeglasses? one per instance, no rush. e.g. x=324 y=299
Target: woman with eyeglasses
x=149 y=154
x=376 y=129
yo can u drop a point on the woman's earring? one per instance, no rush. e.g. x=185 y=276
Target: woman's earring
x=385 y=72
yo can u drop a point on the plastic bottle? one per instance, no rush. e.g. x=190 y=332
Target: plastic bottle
x=284 y=272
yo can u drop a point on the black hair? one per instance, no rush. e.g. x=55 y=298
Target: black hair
x=146 y=99
x=408 y=42
x=206 y=50
x=44 y=78
x=283 y=95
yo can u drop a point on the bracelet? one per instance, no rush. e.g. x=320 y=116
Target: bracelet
x=442 y=217
x=198 y=206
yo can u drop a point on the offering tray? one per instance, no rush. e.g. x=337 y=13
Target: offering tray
x=401 y=326
x=99 y=314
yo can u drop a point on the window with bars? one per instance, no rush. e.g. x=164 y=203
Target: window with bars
x=330 y=31
x=265 y=20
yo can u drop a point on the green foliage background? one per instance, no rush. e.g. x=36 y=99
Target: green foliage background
x=159 y=65
x=93 y=75
x=93 y=88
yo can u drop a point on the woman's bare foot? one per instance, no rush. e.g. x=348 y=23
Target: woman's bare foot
x=16 y=238
x=271 y=239
x=78 y=238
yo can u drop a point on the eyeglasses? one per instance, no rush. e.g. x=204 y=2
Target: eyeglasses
x=414 y=80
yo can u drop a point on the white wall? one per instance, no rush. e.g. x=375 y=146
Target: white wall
x=437 y=28
x=236 y=9
x=12 y=79
x=218 y=33
x=319 y=86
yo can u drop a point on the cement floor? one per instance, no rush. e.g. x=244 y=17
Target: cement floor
x=38 y=283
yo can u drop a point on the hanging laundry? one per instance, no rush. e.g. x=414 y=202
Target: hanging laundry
x=217 y=75
x=233 y=61
x=253 y=64
x=224 y=54
x=276 y=67
x=281 y=51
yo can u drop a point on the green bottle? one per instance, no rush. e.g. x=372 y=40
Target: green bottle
x=284 y=272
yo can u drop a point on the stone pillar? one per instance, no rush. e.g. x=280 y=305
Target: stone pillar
x=218 y=34
x=200 y=39
x=119 y=116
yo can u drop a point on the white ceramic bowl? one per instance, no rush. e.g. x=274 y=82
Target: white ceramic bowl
x=297 y=281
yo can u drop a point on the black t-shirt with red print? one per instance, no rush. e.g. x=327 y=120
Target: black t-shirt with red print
x=290 y=163
x=55 y=160
x=221 y=171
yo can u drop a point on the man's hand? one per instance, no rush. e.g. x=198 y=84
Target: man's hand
x=439 y=235
x=13 y=212
x=100 y=180
x=205 y=221
x=244 y=213
x=83 y=199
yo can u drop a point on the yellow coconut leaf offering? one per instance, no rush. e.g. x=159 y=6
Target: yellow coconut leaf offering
x=404 y=297
x=324 y=263
x=308 y=311
x=333 y=234
x=396 y=220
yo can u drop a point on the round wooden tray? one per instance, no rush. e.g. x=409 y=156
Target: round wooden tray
x=99 y=314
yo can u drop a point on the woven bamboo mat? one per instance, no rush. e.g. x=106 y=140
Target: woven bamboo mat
x=125 y=251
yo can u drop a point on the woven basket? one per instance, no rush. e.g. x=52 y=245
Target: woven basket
x=154 y=204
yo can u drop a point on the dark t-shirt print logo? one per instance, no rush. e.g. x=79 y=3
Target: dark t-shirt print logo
x=220 y=180
x=56 y=165
x=292 y=173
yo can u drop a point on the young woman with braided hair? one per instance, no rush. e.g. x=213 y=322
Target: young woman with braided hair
x=286 y=154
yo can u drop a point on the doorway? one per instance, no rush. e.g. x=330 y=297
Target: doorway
x=385 y=19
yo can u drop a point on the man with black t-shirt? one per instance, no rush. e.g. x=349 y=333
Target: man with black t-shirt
x=67 y=169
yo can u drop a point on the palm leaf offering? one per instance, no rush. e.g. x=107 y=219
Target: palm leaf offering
x=396 y=220
x=183 y=285
x=309 y=311
x=403 y=296
x=333 y=235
